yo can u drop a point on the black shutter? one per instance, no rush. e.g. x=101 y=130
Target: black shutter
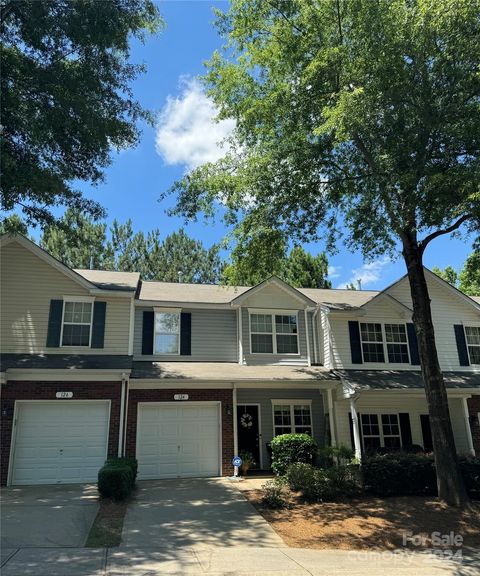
x=98 y=326
x=426 y=432
x=405 y=430
x=413 y=344
x=54 y=323
x=147 y=332
x=185 y=334
x=461 y=345
x=355 y=344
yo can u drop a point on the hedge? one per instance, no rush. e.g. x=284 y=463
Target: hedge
x=403 y=474
x=290 y=448
x=116 y=478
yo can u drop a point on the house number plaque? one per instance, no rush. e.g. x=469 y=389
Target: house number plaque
x=64 y=394
x=180 y=397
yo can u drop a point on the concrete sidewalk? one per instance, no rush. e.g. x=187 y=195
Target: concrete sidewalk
x=232 y=561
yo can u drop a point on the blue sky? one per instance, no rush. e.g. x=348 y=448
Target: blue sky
x=185 y=136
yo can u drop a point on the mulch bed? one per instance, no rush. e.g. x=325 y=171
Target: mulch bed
x=106 y=531
x=368 y=522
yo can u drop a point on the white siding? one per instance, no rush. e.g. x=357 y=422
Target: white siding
x=27 y=285
x=272 y=296
x=391 y=403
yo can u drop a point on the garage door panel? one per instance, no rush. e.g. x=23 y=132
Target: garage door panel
x=60 y=442
x=183 y=441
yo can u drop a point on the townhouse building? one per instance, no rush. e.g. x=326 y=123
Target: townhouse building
x=185 y=376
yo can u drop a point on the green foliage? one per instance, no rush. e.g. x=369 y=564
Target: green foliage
x=116 y=478
x=80 y=242
x=400 y=474
x=330 y=455
x=13 y=225
x=323 y=484
x=468 y=279
x=274 y=494
x=290 y=448
x=66 y=97
x=263 y=253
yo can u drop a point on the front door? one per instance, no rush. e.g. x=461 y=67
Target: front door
x=249 y=431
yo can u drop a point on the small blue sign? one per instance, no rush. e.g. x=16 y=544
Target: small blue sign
x=237 y=461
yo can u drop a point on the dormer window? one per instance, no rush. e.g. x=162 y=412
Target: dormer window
x=274 y=333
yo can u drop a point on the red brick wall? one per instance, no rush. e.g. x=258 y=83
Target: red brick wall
x=474 y=410
x=224 y=396
x=46 y=391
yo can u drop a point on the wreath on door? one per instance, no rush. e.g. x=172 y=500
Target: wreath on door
x=246 y=420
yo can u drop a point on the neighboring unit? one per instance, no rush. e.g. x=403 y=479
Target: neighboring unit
x=184 y=376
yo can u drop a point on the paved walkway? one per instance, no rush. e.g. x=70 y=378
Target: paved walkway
x=232 y=561
x=170 y=514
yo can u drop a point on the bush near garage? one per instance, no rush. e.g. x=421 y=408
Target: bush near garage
x=401 y=474
x=116 y=478
x=324 y=484
x=291 y=448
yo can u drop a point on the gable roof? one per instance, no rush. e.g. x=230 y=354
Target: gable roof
x=107 y=280
x=184 y=293
x=275 y=280
x=339 y=298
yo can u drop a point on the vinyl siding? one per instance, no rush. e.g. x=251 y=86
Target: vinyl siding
x=272 y=295
x=27 y=286
x=287 y=359
x=389 y=403
x=264 y=398
x=447 y=310
x=214 y=337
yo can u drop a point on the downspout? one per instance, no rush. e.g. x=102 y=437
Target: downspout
x=356 y=430
x=314 y=330
x=125 y=425
x=122 y=416
x=235 y=431
x=331 y=417
x=468 y=430
x=309 y=360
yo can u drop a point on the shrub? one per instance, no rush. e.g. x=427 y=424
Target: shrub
x=273 y=494
x=116 y=478
x=330 y=455
x=290 y=448
x=330 y=484
x=132 y=463
x=299 y=475
x=399 y=474
x=470 y=468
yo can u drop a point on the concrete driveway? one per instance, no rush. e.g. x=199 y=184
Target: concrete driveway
x=47 y=516
x=193 y=512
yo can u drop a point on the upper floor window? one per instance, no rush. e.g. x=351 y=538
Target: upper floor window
x=472 y=334
x=374 y=342
x=292 y=417
x=77 y=323
x=167 y=333
x=274 y=333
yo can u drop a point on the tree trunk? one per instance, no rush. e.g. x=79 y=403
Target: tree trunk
x=450 y=483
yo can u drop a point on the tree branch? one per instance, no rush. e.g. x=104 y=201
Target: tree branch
x=423 y=243
x=285 y=17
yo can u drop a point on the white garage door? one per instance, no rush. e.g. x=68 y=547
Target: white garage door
x=59 y=442
x=178 y=441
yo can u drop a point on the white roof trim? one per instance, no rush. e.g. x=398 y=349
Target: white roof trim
x=281 y=284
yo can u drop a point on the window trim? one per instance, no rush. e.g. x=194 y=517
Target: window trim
x=167 y=311
x=273 y=313
x=381 y=435
x=385 y=343
x=470 y=325
x=84 y=300
x=292 y=404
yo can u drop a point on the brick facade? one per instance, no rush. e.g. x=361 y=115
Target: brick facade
x=152 y=395
x=46 y=391
x=474 y=410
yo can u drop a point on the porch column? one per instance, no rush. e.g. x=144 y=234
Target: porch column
x=468 y=430
x=356 y=431
x=331 y=417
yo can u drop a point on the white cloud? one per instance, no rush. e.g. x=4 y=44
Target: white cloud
x=187 y=132
x=368 y=273
x=334 y=271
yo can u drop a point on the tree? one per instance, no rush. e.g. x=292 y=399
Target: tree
x=13 y=225
x=366 y=112
x=79 y=242
x=468 y=279
x=66 y=98
x=306 y=271
x=448 y=274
